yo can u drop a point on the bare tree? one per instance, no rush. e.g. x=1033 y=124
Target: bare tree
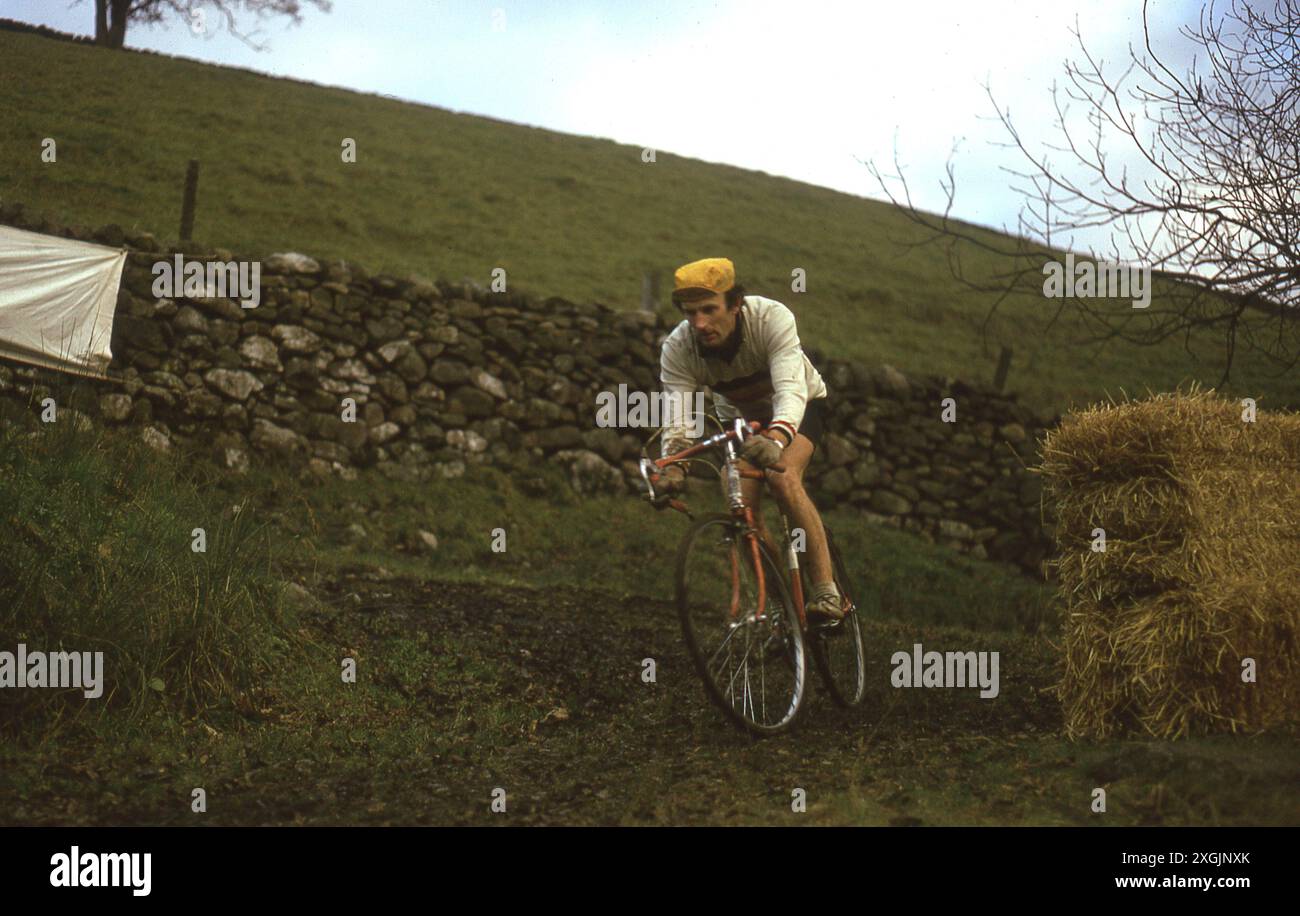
x=1218 y=218
x=112 y=16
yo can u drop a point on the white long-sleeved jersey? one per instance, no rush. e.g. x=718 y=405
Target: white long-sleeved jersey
x=769 y=378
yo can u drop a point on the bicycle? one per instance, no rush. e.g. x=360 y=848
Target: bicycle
x=722 y=575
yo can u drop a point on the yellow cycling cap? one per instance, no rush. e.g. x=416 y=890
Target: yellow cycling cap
x=715 y=275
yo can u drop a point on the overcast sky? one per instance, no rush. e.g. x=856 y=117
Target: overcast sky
x=808 y=89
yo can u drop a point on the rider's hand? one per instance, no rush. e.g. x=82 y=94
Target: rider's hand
x=671 y=480
x=761 y=451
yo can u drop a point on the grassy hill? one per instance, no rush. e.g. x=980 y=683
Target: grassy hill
x=437 y=193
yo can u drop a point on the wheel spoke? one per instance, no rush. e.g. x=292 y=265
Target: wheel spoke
x=742 y=665
x=725 y=644
x=748 y=702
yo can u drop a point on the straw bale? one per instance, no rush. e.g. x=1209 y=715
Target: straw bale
x=1171 y=665
x=1201 y=567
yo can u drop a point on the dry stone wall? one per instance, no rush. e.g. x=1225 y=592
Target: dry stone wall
x=445 y=375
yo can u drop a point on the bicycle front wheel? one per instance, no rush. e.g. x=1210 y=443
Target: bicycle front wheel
x=752 y=658
x=838 y=652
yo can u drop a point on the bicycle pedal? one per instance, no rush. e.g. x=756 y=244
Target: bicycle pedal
x=827 y=628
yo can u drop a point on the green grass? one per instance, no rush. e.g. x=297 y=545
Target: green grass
x=1036 y=781
x=99 y=557
x=441 y=194
x=616 y=543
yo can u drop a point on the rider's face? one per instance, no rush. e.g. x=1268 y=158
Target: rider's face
x=711 y=321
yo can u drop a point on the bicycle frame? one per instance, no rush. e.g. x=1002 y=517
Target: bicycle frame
x=740 y=510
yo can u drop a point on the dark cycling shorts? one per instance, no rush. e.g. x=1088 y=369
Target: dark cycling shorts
x=814 y=419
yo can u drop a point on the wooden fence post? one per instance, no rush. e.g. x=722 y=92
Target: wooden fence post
x=1004 y=364
x=187 y=206
x=650 y=290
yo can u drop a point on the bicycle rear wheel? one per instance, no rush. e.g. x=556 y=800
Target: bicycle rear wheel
x=752 y=659
x=838 y=653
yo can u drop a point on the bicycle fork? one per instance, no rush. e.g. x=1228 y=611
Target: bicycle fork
x=737 y=504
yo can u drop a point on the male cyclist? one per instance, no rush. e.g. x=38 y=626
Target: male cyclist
x=746 y=350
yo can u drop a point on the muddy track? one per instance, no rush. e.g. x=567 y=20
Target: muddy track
x=464 y=689
x=606 y=747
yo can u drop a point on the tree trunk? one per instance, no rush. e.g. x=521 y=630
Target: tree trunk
x=101 y=22
x=117 y=28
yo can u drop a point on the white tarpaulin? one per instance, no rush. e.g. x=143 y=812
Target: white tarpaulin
x=57 y=299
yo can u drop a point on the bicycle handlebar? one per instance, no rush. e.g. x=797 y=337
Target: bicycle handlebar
x=650 y=467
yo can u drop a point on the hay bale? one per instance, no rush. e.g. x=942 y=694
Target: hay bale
x=1201 y=569
x=1171 y=665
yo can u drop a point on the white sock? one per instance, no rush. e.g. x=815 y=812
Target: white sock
x=827 y=588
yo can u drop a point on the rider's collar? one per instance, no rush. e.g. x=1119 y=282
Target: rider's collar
x=731 y=346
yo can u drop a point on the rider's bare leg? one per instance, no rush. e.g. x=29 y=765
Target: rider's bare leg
x=799 y=508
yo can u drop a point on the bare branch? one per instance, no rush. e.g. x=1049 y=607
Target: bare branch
x=1216 y=214
x=112 y=16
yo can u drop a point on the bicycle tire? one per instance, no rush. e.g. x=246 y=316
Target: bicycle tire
x=839 y=654
x=778 y=640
